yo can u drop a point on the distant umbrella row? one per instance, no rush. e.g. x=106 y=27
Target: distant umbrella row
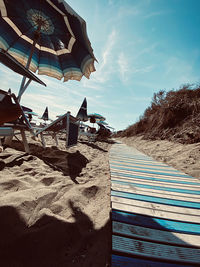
x=81 y=115
x=93 y=117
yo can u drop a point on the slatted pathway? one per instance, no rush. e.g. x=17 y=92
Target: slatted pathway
x=155 y=212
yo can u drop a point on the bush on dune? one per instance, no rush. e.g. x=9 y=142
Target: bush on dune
x=172 y=115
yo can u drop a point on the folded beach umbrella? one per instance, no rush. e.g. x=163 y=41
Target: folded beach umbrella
x=46 y=36
x=45 y=115
x=82 y=113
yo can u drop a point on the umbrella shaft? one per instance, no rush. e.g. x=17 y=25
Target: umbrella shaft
x=21 y=90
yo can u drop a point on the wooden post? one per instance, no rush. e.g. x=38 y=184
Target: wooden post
x=67 y=128
x=43 y=140
x=26 y=146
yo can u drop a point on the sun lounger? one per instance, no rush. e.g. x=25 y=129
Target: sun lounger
x=5 y=132
x=88 y=132
x=66 y=124
x=12 y=116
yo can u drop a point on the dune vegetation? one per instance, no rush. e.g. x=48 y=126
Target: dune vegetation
x=172 y=115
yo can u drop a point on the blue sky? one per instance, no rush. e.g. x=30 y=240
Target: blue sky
x=142 y=46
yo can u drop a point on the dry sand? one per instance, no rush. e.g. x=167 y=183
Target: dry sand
x=55 y=205
x=183 y=157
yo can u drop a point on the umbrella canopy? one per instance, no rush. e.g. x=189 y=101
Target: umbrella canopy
x=82 y=113
x=47 y=36
x=95 y=117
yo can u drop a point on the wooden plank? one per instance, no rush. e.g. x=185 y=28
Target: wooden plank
x=143 y=166
x=147 y=167
x=160 y=175
x=153 y=182
x=149 y=185
x=140 y=162
x=122 y=261
x=157 y=200
x=156 y=223
x=154 y=250
x=155 y=206
x=152 y=211
x=150 y=192
x=135 y=158
x=153 y=235
x=155 y=176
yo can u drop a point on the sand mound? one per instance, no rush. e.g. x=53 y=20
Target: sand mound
x=54 y=205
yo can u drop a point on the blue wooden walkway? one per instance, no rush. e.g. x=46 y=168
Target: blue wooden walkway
x=155 y=212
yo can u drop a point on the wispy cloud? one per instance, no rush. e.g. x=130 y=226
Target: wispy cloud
x=106 y=55
x=123 y=66
x=145 y=69
x=105 y=66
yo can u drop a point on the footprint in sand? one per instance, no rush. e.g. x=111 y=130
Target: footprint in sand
x=91 y=191
x=48 y=181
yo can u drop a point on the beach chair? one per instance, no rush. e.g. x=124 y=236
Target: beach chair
x=88 y=132
x=66 y=124
x=12 y=116
x=5 y=132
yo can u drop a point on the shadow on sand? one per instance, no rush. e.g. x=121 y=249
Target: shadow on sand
x=52 y=242
x=70 y=164
x=93 y=145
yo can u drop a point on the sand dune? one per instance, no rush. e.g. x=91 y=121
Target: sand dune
x=54 y=205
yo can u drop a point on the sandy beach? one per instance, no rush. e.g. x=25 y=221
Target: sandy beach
x=55 y=205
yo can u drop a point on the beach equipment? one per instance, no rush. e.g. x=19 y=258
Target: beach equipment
x=82 y=113
x=47 y=37
x=102 y=123
x=10 y=62
x=31 y=113
x=95 y=117
x=66 y=124
x=12 y=115
x=155 y=212
x=45 y=115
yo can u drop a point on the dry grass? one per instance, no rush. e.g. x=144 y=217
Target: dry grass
x=172 y=115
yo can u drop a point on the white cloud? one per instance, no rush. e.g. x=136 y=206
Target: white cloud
x=124 y=68
x=145 y=69
x=105 y=66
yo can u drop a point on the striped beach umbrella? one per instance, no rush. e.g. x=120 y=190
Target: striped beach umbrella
x=95 y=117
x=46 y=36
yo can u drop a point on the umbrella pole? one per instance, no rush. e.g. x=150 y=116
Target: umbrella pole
x=22 y=87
